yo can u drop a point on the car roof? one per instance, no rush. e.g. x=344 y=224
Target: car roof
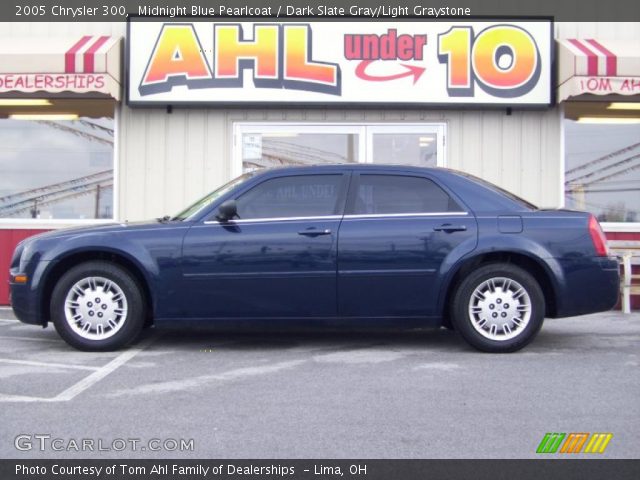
x=353 y=166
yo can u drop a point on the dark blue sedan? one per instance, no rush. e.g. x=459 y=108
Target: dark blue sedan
x=390 y=245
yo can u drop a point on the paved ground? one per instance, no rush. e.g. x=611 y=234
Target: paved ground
x=320 y=395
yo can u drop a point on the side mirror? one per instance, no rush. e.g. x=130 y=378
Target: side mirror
x=227 y=211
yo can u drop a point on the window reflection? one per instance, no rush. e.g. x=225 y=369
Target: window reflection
x=602 y=170
x=308 y=196
x=405 y=149
x=262 y=150
x=56 y=169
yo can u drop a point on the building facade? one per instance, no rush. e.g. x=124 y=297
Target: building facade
x=95 y=158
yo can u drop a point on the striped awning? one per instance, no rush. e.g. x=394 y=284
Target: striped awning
x=81 y=65
x=598 y=67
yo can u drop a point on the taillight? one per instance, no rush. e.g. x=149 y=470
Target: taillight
x=597 y=237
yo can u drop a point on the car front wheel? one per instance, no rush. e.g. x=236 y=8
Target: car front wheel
x=97 y=306
x=498 y=308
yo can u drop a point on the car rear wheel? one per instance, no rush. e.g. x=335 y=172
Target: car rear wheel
x=97 y=306
x=498 y=308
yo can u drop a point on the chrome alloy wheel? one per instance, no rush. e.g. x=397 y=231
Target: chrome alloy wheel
x=499 y=308
x=95 y=308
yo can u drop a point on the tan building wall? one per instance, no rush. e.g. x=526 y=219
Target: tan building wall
x=167 y=160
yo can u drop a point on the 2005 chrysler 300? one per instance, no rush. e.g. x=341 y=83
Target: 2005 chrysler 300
x=394 y=245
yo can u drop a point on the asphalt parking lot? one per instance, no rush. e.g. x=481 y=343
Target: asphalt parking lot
x=360 y=394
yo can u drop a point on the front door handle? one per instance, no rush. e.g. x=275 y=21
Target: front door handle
x=448 y=228
x=314 y=232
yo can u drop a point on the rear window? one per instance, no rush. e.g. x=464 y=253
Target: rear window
x=511 y=196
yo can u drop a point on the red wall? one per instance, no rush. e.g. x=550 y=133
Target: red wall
x=10 y=238
x=622 y=235
x=8 y=241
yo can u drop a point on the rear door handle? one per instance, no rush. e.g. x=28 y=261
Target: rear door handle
x=314 y=232
x=448 y=228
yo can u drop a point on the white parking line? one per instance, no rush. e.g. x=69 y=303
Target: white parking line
x=8 y=321
x=95 y=377
x=30 y=339
x=20 y=398
x=87 y=382
x=202 y=380
x=47 y=364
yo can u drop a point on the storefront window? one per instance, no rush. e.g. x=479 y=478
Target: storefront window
x=405 y=149
x=602 y=167
x=57 y=165
x=269 y=145
x=272 y=149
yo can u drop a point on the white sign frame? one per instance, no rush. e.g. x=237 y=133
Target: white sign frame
x=397 y=63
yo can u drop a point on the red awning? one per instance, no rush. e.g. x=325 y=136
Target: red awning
x=86 y=64
x=598 y=67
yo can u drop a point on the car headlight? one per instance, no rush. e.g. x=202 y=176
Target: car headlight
x=17 y=255
x=22 y=255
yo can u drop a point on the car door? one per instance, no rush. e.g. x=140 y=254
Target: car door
x=399 y=236
x=278 y=259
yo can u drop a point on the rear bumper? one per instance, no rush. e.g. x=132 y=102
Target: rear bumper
x=591 y=285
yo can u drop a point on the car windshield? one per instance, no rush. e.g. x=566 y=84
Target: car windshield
x=207 y=200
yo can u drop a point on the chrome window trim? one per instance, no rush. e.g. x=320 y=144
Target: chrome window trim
x=400 y=215
x=338 y=217
x=276 y=219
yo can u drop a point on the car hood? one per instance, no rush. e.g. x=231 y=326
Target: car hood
x=104 y=228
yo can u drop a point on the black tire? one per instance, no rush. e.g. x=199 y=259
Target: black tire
x=122 y=282
x=471 y=325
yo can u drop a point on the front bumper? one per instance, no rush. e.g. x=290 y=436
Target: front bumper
x=25 y=302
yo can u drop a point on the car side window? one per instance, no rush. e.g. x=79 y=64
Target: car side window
x=389 y=194
x=292 y=196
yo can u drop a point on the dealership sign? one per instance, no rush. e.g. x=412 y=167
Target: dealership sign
x=86 y=64
x=409 y=63
x=36 y=82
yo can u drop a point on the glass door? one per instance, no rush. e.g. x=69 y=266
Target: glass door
x=416 y=145
x=262 y=145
